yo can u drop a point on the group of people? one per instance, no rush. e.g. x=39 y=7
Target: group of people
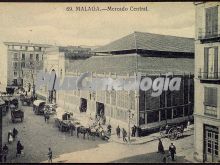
x=124 y=133
x=11 y=136
x=172 y=151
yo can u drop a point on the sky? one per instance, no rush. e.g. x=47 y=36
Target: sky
x=50 y=23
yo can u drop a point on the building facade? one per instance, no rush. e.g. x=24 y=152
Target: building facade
x=127 y=58
x=23 y=61
x=207 y=82
x=57 y=59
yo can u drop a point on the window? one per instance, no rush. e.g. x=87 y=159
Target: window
x=142 y=119
x=37 y=57
x=31 y=56
x=23 y=56
x=15 y=65
x=15 y=56
x=169 y=113
x=211 y=62
x=177 y=112
x=210 y=96
x=23 y=64
x=210 y=101
x=15 y=74
x=152 y=116
x=211 y=23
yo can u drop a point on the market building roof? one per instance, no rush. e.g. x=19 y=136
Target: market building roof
x=130 y=63
x=71 y=51
x=148 y=41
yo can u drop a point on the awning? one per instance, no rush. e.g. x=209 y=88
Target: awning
x=2 y=102
x=38 y=102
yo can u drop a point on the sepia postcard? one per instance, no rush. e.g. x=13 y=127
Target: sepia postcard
x=110 y=82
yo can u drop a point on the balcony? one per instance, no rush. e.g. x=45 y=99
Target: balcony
x=208 y=36
x=209 y=77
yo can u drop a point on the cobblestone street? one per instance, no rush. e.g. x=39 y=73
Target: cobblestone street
x=36 y=136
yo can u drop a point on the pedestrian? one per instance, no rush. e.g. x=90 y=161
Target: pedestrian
x=19 y=148
x=133 y=131
x=124 y=134
x=118 y=130
x=160 y=147
x=10 y=137
x=50 y=154
x=109 y=127
x=172 y=150
x=15 y=132
x=46 y=116
x=5 y=152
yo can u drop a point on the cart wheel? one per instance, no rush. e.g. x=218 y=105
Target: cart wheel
x=163 y=131
x=173 y=134
x=180 y=132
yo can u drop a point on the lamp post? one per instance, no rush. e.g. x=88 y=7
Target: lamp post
x=129 y=117
x=129 y=126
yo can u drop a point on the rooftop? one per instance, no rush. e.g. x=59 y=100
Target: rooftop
x=124 y=64
x=72 y=51
x=149 y=41
x=26 y=44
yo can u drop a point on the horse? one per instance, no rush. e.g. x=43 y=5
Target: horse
x=83 y=130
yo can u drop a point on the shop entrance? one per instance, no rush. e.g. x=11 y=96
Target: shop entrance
x=100 y=109
x=211 y=151
x=83 y=105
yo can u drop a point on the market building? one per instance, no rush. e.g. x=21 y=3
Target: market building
x=207 y=82
x=151 y=55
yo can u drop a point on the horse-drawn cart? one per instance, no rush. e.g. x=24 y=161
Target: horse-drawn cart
x=172 y=131
x=17 y=114
x=26 y=100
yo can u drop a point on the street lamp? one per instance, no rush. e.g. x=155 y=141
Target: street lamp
x=129 y=118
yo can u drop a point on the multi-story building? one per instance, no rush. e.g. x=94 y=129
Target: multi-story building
x=207 y=82
x=23 y=60
x=151 y=55
x=58 y=59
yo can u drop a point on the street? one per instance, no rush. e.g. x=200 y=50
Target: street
x=36 y=136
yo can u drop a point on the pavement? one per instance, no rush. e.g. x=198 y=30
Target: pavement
x=144 y=139
x=119 y=153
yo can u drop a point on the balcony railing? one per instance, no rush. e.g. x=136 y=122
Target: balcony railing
x=203 y=34
x=208 y=75
x=210 y=111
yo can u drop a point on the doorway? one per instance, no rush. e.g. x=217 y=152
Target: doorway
x=211 y=151
x=100 y=109
x=83 y=105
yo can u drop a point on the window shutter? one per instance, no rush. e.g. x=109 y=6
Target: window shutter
x=206 y=51
x=216 y=62
x=206 y=96
x=214 y=97
x=208 y=21
x=215 y=20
